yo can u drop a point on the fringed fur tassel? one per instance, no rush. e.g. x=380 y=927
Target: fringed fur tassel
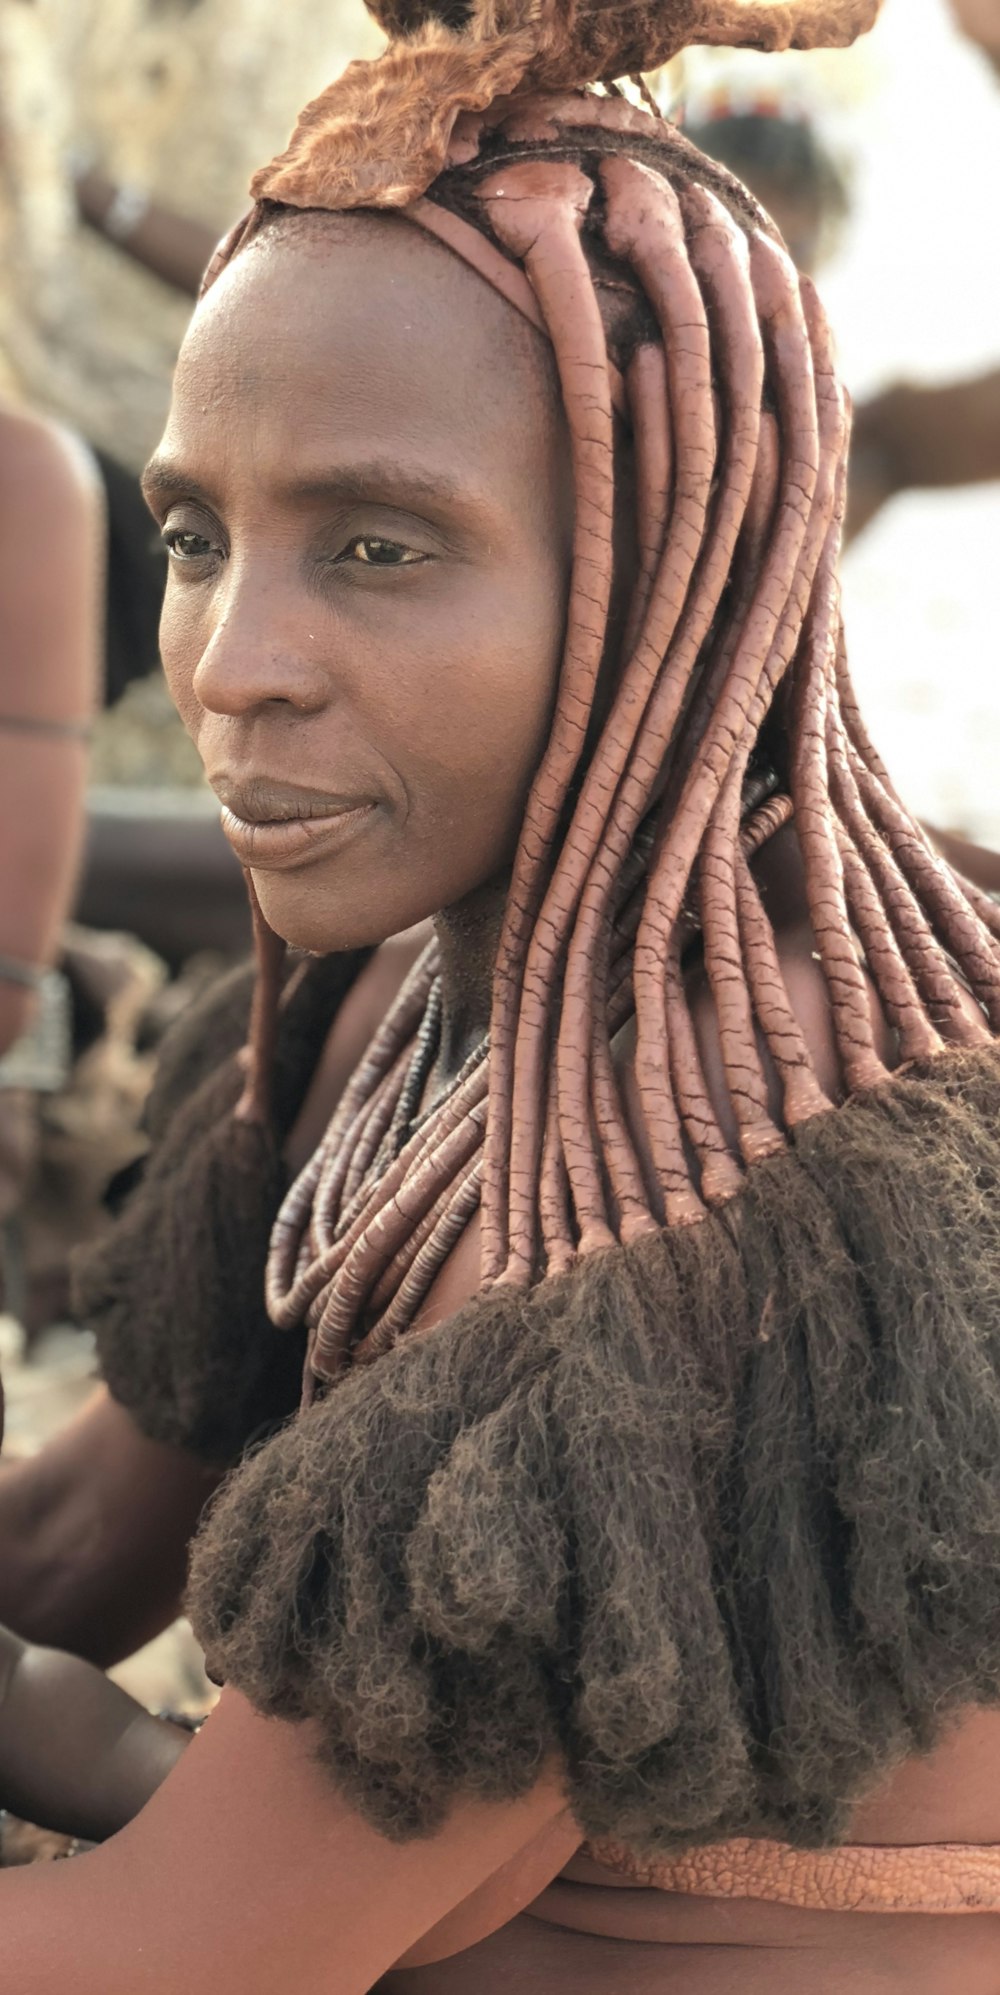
x=175 y=1291
x=716 y=1517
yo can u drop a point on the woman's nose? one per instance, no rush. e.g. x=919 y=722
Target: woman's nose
x=256 y=657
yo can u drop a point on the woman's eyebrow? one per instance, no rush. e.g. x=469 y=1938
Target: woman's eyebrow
x=383 y=480
x=164 y=480
x=373 y=479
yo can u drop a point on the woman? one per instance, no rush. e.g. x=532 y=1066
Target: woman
x=645 y=1277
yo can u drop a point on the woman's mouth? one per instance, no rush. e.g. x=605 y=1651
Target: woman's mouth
x=271 y=826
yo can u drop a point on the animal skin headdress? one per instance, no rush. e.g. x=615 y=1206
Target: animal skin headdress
x=699 y=1492
x=380 y=134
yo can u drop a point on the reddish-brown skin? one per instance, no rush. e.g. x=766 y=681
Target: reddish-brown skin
x=956 y=915
x=173 y=246
x=649 y=410
x=542 y=1145
x=929 y=963
x=980 y=19
x=925 y=438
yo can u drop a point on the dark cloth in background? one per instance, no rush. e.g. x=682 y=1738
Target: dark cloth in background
x=136 y=574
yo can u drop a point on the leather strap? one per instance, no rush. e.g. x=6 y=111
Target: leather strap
x=505 y=276
x=922 y=1877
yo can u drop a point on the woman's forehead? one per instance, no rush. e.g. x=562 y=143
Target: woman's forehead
x=316 y=284
x=358 y=340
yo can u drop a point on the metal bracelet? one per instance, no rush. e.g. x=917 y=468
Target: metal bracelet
x=127 y=208
x=13 y=971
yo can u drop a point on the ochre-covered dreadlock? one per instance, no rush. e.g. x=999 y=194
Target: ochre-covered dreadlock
x=699 y=1492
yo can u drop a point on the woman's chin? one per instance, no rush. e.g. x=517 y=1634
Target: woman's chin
x=315 y=923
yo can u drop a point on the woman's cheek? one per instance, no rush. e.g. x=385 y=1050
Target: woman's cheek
x=180 y=652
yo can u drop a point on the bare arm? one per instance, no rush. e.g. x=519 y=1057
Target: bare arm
x=174 y=247
x=975 y=862
x=913 y=438
x=980 y=20
x=94 y=1533
x=77 y=1754
x=248 y=1872
x=50 y=537
x=94 y=1530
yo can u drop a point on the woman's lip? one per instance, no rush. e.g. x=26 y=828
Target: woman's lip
x=287 y=842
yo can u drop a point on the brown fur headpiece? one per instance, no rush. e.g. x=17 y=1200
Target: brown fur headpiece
x=380 y=134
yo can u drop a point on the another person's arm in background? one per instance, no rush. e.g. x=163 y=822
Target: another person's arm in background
x=975 y=862
x=94 y=1532
x=911 y=438
x=50 y=585
x=980 y=20
x=77 y=1753
x=172 y=880
x=174 y=247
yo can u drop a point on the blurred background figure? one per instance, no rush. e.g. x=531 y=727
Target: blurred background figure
x=779 y=152
x=909 y=437
x=912 y=437
x=127 y=134
x=50 y=554
x=900 y=235
x=980 y=20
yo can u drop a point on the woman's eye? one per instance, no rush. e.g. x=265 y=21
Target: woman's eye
x=186 y=546
x=376 y=553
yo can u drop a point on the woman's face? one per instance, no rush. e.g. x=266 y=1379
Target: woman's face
x=366 y=495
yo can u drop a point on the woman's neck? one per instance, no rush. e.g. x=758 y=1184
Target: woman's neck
x=467 y=937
